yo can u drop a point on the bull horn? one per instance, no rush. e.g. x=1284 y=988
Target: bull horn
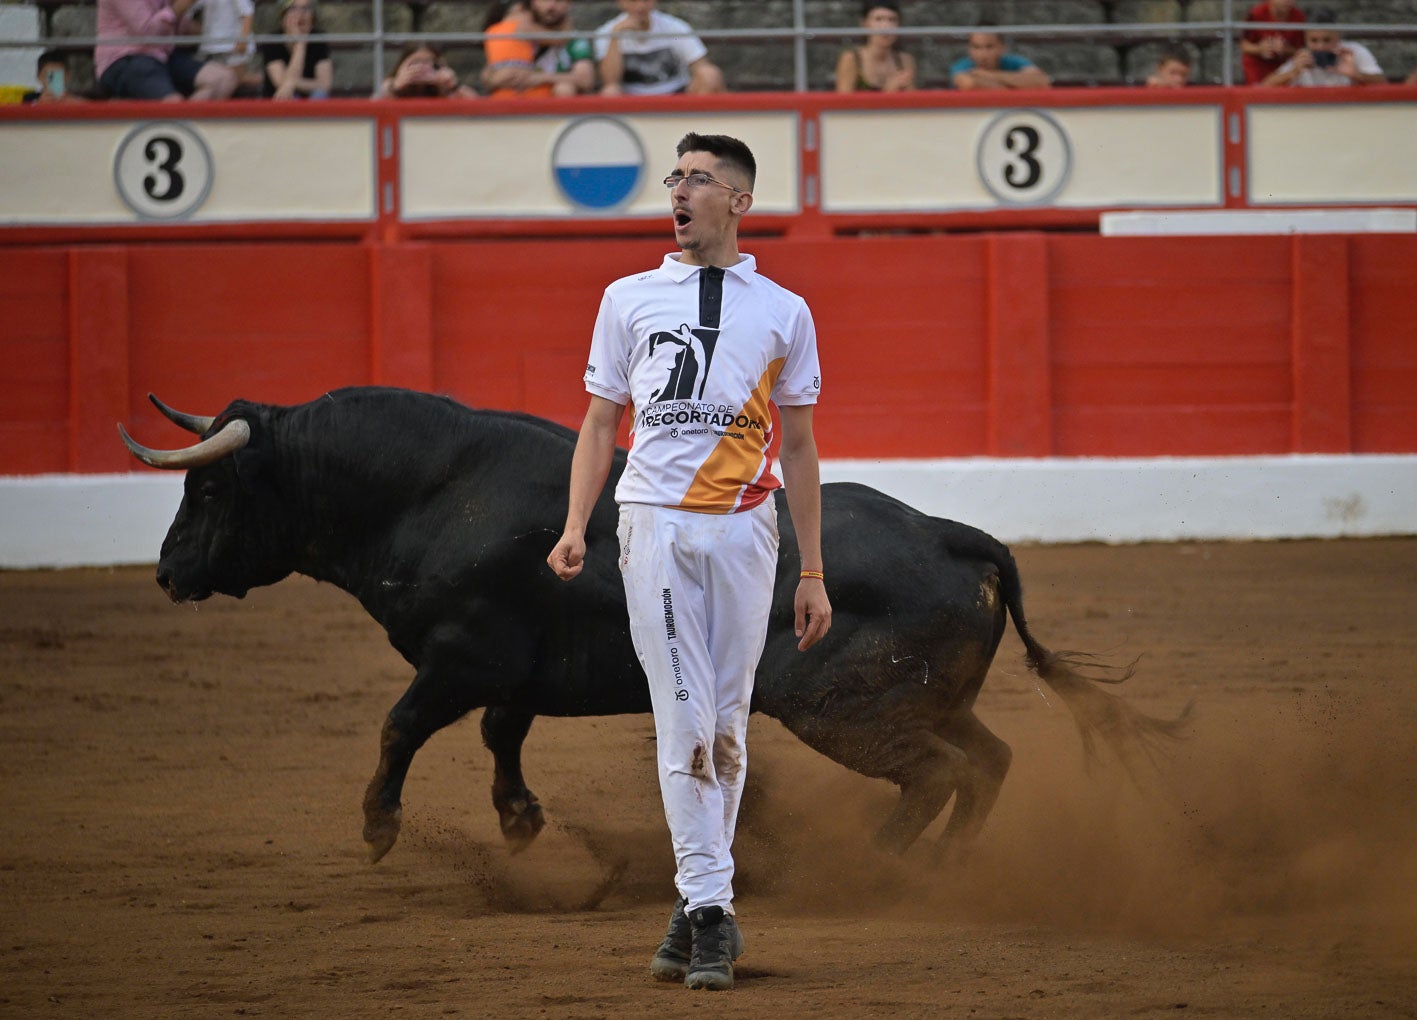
x=193 y=423
x=233 y=436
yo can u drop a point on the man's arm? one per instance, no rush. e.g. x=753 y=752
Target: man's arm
x=1031 y=77
x=1290 y=70
x=590 y=466
x=1348 y=66
x=801 y=477
x=612 y=67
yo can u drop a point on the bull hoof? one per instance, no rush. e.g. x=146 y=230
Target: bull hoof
x=521 y=823
x=381 y=832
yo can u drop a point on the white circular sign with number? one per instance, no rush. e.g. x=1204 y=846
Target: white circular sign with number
x=1023 y=157
x=163 y=170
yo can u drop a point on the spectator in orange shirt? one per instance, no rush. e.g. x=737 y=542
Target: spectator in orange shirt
x=529 y=67
x=1264 y=51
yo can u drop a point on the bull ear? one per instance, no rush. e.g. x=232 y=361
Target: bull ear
x=233 y=436
x=193 y=423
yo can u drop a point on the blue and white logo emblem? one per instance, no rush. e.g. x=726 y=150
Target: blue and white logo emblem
x=599 y=163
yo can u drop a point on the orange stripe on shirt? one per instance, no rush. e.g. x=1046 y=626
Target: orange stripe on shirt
x=735 y=463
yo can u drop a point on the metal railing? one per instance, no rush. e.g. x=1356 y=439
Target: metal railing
x=800 y=34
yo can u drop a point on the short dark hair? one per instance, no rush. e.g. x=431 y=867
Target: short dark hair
x=730 y=150
x=1323 y=16
x=870 y=5
x=1179 y=54
x=51 y=57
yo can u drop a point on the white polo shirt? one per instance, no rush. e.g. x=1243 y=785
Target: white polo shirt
x=700 y=353
x=655 y=65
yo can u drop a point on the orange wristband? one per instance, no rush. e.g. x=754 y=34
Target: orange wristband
x=814 y=573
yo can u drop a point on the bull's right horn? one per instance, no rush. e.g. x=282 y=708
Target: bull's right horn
x=233 y=436
x=194 y=423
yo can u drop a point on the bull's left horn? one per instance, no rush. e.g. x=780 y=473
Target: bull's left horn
x=233 y=436
x=194 y=423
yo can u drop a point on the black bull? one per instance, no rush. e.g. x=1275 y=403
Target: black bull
x=439 y=518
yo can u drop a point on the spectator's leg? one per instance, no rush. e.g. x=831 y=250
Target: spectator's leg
x=139 y=77
x=215 y=81
x=184 y=67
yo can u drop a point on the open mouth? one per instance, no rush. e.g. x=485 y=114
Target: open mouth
x=682 y=218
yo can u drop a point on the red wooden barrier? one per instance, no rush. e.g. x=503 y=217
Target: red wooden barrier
x=932 y=346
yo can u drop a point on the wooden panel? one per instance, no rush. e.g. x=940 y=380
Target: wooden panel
x=931 y=346
x=1171 y=346
x=34 y=352
x=1383 y=318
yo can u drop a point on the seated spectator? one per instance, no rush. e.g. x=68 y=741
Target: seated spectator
x=880 y=65
x=1173 y=70
x=422 y=73
x=555 y=66
x=149 y=71
x=53 y=73
x=226 y=40
x=299 y=66
x=645 y=52
x=1326 y=60
x=989 y=67
x=1263 y=51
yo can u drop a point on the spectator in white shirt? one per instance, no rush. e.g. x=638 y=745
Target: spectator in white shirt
x=645 y=52
x=1326 y=60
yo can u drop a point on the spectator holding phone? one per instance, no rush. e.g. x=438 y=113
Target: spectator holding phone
x=421 y=72
x=53 y=72
x=1327 y=61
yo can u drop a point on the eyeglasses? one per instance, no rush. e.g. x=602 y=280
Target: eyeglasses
x=695 y=181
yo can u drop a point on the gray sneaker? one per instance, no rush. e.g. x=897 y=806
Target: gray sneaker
x=716 y=943
x=671 y=959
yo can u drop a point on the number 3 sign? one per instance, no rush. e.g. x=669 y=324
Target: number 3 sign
x=1023 y=157
x=163 y=170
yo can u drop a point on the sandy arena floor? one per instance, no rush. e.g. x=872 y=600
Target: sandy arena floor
x=181 y=792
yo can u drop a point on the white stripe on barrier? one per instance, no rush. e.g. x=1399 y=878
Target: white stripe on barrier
x=99 y=520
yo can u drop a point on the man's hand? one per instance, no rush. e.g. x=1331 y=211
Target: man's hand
x=812 y=611
x=567 y=559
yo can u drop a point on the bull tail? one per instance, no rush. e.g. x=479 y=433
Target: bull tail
x=1134 y=737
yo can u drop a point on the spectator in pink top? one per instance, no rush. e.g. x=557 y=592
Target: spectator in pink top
x=149 y=70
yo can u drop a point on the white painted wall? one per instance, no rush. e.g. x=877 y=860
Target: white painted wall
x=93 y=520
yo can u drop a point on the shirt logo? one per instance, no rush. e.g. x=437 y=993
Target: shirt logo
x=689 y=354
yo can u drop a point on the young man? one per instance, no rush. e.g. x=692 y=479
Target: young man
x=645 y=52
x=1327 y=61
x=989 y=67
x=700 y=346
x=1173 y=70
x=529 y=68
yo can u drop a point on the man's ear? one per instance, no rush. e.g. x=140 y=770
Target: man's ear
x=742 y=202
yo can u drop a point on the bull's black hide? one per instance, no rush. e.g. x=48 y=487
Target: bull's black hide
x=439 y=518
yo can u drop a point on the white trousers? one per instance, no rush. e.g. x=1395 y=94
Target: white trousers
x=699 y=587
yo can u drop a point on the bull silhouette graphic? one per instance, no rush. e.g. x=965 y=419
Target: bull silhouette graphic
x=691 y=362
